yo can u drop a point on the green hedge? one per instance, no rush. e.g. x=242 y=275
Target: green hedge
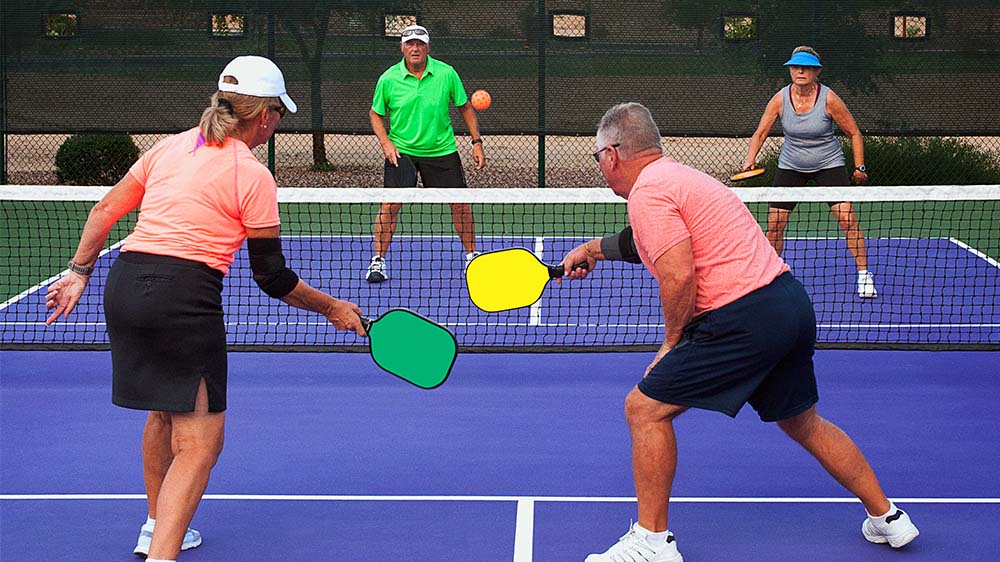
x=909 y=161
x=95 y=159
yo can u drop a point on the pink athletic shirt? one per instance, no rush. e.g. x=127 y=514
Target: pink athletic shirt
x=199 y=199
x=671 y=202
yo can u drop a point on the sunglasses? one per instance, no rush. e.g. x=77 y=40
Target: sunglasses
x=280 y=109
x=597 y=155
x=408 y=32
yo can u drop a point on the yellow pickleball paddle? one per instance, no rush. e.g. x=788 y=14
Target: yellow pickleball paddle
x=508 y=279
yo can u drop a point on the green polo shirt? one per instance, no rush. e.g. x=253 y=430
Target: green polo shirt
x=418 y=109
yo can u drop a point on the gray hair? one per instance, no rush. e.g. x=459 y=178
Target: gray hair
x=631 y=126
x=807 y=49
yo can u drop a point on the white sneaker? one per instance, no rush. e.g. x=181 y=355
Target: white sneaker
x=632 y=547
x=377 y=270
x=895 y=529
x=866 y=285
x=192 y=539
x=469 y=257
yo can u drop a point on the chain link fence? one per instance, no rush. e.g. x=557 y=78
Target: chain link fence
x=706 y=70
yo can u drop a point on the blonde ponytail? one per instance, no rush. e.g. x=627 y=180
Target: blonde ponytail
x=231 y=112
x=218 y=121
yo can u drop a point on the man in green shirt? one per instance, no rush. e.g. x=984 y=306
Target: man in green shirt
x=416 y=93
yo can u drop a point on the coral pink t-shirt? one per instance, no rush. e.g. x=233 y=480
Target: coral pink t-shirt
x=671 y=202
x=200 y=199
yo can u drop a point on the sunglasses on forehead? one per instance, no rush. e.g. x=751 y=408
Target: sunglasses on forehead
x=408 y=32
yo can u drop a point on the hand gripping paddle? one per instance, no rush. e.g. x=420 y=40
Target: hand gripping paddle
x=752 y=173
x=509 y=279
x=412 y=347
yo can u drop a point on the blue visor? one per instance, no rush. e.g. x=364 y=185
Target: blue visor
x=803 y=59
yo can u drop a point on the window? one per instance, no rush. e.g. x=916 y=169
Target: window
x=570 y=25
x=909 y=26
x=60 y=25
x=396 y=23
x=739 y=27
x=228 y=25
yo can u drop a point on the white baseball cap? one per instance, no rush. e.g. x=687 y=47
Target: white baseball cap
x=258 y=77
x=412 y=32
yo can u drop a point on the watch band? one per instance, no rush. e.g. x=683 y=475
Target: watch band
x=862 y=169
x=79 y=269
x=477 y=141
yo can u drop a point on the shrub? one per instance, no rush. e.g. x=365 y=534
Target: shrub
x=909 y=161
x=95 y=159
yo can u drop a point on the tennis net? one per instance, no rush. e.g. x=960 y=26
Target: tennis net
x=934 y=252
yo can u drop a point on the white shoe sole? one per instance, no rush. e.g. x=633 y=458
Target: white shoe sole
x=142 y=550
x=897 y=541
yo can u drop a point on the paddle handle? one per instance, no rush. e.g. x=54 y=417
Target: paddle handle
x=557 y=271
x=366 y=323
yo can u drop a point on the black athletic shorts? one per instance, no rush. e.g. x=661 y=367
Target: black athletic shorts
x=167 y=333
x=756 y=349
x=438 y=171
x=830 y=177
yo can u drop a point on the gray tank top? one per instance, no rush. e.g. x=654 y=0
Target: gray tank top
x=809 y=142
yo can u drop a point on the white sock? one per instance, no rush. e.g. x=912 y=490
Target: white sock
x=655 y=540
x=892 y=509
x=862 y=272
x=150 y=521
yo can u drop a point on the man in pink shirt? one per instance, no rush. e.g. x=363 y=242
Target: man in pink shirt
x=738 y=328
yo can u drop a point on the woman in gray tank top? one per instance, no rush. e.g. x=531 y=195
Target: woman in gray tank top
x=808 y=111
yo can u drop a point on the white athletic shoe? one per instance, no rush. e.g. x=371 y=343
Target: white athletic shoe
x=866 y=285
x=469 y=257
x=192 y=539
x=894 y=528
x=377 y=270
x=632 y=547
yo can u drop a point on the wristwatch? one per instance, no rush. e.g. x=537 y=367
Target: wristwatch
x=477 y=141
x=79 y=269
x=862 y=169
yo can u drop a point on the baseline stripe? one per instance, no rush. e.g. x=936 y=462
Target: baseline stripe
x=532 y=499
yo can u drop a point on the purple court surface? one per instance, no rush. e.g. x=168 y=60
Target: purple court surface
x=516 y=458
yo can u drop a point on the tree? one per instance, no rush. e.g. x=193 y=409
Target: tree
x=308 y=24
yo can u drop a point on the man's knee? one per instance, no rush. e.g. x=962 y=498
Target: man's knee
x=640 y=408
x=800 y=426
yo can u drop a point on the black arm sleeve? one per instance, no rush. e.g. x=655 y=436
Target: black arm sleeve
x=268 y=266
x=620 y=247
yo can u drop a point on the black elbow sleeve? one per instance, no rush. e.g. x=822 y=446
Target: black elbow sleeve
x=620 y=247
x=268 y=266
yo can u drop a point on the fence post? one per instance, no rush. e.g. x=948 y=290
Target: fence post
x=3 y=104
x=270 y=55
x=542 y=36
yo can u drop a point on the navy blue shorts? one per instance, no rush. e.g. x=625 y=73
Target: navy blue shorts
x=756 y=349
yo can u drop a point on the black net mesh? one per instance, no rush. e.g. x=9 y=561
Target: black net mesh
x=934 y=253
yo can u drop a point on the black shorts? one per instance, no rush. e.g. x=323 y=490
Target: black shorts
x=830 y=177
x=438 y=171
x=756 y=349
x=167 y=333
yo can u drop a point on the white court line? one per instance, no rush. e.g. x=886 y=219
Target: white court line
x=553 y=325
x=524 y=530
x=975 y=252
x=534 y=499
x=535 y=312
x=48 y=281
